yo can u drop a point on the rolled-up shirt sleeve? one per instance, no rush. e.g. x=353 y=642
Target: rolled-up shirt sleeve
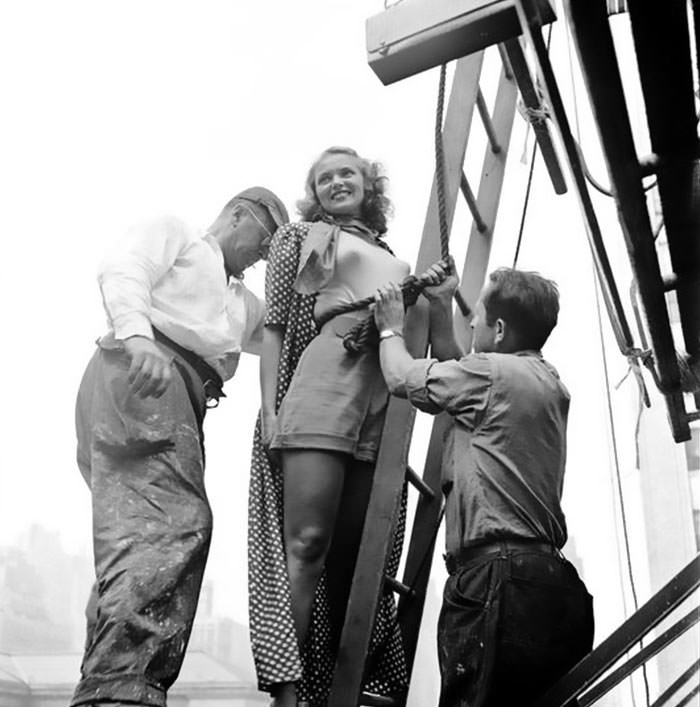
x=460 y=388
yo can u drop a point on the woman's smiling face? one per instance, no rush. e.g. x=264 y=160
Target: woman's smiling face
x=340 y=185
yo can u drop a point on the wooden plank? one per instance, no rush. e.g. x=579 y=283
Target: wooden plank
x=420 y=554
x=392 y=458
x=588 y=670
x=672 y=122
x=415 y=35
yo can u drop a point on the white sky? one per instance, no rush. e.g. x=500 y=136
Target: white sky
x=113 y=111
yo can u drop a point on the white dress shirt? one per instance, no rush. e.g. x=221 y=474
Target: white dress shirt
x=167 y=275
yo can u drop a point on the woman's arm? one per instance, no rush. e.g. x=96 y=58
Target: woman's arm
x=269 y=363
x=279 y=278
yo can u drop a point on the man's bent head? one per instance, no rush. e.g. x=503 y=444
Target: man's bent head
x=245 y=227
x=516 y=311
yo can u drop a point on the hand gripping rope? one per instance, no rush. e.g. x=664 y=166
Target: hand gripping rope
x=364 y=334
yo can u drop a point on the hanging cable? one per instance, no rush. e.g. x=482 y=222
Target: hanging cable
x=528 y=188
x=525 y=205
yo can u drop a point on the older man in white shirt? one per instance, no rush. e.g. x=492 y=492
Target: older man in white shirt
x=179 y=317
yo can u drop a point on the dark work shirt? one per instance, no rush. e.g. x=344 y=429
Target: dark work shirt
x=504 y=456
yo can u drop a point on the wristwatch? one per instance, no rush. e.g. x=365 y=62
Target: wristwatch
x=388 y=333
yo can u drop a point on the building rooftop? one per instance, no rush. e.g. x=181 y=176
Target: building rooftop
x=36 y=672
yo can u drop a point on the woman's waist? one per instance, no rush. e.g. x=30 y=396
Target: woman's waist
x=340 y=324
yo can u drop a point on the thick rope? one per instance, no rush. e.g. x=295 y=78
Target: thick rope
x=364 y=334
x=440 y=168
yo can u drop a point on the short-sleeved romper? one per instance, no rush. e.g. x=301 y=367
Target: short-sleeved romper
x=273 y=639
x=337 y=400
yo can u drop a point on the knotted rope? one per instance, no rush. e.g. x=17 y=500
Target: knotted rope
x=364 y=334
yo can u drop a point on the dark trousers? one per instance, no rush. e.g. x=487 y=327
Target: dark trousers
x=143 y=461
x=512 y=623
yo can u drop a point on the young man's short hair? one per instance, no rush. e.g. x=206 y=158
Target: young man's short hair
x=526 y=301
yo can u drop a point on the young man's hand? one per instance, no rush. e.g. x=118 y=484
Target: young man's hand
x=389 y=310
x=150 y=371
x=443 y=281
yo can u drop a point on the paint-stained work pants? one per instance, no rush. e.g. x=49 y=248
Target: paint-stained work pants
x=143 y=460
x=512 y=623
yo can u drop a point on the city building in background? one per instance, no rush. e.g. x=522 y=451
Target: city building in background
x=43 y=592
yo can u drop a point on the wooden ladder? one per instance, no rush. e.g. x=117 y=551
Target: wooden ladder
x=392 y=470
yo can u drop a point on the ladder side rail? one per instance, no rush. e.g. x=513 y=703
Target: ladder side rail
x=689 y=697
x=640 y=658
x=419 y=556
x=380 y=520
x=677 y=684
x=649 y=615
x=422 y=543
x=488 y=200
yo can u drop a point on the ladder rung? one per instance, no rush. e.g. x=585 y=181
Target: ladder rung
x=506 y=62
x=414 y=478
x=673 y=281
x=471 y=203
x=367 y=698
x=398 y=587
x=486 y=120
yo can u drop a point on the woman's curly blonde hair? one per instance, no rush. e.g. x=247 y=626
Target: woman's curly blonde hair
x=376 y=206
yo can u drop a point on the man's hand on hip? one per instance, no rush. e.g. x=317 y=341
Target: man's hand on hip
x=150 y=371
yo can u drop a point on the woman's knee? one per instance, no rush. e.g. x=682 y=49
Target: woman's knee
x=308 y=544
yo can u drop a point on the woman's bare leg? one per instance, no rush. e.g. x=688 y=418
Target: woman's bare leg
x=342 y=556
x=313 y=485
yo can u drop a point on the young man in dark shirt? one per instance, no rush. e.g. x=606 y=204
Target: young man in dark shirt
x=515 y=614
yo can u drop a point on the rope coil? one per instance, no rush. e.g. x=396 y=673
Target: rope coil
x=534 y=116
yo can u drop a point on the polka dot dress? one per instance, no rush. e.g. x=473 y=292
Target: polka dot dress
x=272 y=631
